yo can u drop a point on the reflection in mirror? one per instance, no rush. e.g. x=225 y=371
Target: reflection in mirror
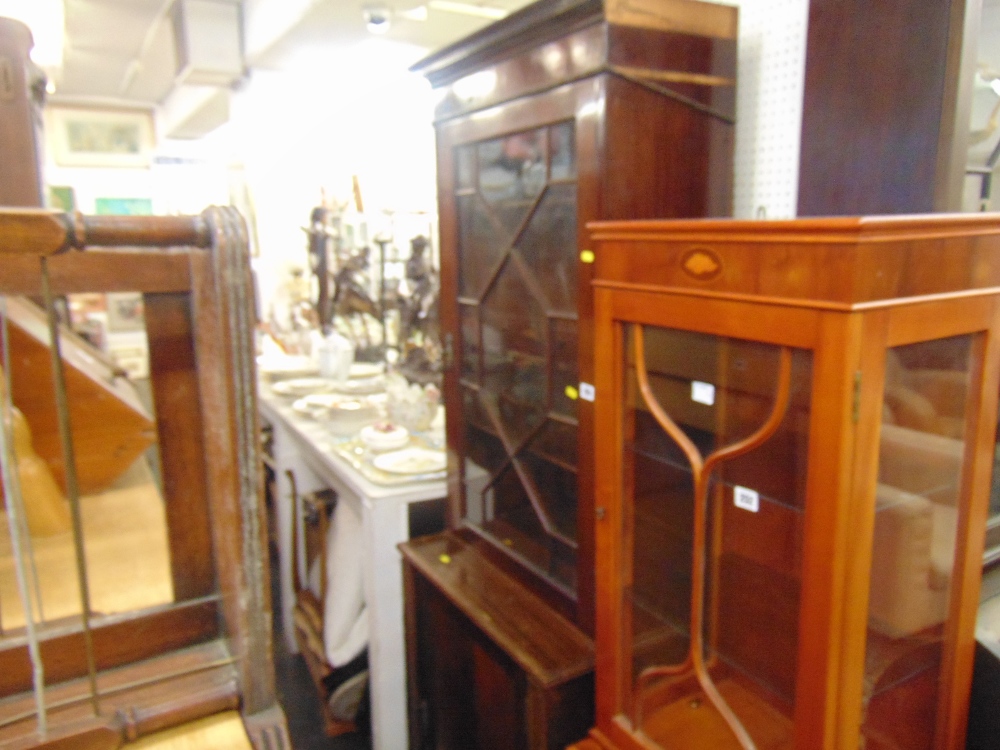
x=127 y=552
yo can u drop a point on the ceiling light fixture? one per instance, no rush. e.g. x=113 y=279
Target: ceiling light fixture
x=378 y=18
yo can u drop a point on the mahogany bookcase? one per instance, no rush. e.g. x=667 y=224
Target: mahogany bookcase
x=564 y=112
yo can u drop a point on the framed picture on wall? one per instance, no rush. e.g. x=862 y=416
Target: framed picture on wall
x=100 y=137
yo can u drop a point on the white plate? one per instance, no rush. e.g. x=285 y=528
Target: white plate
x=297 y=387
x=411 y=461
x=361 y=386
x=366 y=369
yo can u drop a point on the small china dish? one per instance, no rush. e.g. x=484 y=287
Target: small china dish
x=384 y=436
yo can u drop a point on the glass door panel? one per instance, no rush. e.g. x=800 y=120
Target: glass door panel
x=921 y=453
x=748 y=503
x=123 y=502
x=516 y=200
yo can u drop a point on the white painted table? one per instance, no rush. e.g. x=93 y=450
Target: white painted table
x=306 y=448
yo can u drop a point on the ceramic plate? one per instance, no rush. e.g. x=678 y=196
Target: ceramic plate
x=302 y=386
x=361 y=386
x=411 y=461
x=366 y=369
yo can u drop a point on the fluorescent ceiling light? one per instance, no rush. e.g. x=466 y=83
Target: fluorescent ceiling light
x=47 y=21
x=468 y=9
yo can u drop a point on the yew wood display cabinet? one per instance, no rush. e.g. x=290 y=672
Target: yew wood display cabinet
x=795 y=430
x=565 y=112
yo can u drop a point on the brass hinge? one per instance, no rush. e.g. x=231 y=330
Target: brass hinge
x=856 y=413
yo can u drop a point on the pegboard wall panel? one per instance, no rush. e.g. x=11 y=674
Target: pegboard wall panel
x=770 y=85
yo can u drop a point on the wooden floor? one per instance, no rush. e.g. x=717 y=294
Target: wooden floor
x=128 y=556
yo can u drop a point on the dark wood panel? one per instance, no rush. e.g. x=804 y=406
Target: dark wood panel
x=174 y=380
x=557 y=718
x=700 y=68
x=123 y=641
x=870 y=140
x=499 y=695
x=642 y=178
x=466 y=692
x=447 y=717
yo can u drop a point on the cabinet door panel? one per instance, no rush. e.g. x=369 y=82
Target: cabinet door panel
x=517 y=261
x=917 y=504
x=717 y=392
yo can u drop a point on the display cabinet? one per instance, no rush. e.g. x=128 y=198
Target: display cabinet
x=795 y=427
x=565 y=112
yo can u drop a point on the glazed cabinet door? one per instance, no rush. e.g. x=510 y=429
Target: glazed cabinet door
x=713 y=464
x=930 y=506
x=516 y=214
